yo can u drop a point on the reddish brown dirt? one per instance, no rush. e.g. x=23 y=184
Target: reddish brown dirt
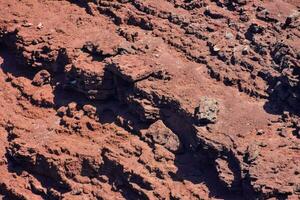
x=149 y=99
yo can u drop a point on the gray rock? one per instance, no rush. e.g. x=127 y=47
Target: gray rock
x=207 y=110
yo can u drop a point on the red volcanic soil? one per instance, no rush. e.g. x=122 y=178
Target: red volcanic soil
x=149 y=99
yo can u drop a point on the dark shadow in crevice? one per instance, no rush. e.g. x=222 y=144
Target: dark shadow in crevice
x=107 y=117
x=63 y=97
x=283 y=98
x=82 y=4
x=197 y=162
x=10 y=65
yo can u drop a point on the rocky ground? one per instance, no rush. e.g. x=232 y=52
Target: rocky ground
x=149 y=99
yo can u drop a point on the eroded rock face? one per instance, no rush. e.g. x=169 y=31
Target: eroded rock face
x=130 y=70
x=149 y=99
x=225 y=173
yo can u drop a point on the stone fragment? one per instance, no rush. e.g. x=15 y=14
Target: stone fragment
x=72 y=109
x=241 y=2
x=40 y=26
x=252 y=153
x=207 y=110
x=213 y=12
x=245 y=50
x=160 y=134
x=228 y=35
x=224 y=172
x=44 y=96
x=90 y=110
x=216 y=48
x=260 y=132
x=144 y=109
x=62 y=111
x=27 y=24
x=41 y=78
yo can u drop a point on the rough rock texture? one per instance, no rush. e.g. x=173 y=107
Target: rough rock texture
x=148 y=99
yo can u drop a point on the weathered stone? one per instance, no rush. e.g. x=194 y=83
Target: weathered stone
x=144 y=109
x=228 y=35
x=62 y=111
x=252 y=153
x=132 y=68
x=162 y=135
x=241 y=2
x=214 y=12
x=224 y=172
x=41 y=78
x=90 y=110
x=207 y=110
x=72 y=109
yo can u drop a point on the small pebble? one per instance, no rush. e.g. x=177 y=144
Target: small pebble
x=260 y=132
x=228 y=35
x=27 y=24
x=40 y=26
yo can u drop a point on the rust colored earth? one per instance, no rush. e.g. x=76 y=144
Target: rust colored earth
x=149 y=99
